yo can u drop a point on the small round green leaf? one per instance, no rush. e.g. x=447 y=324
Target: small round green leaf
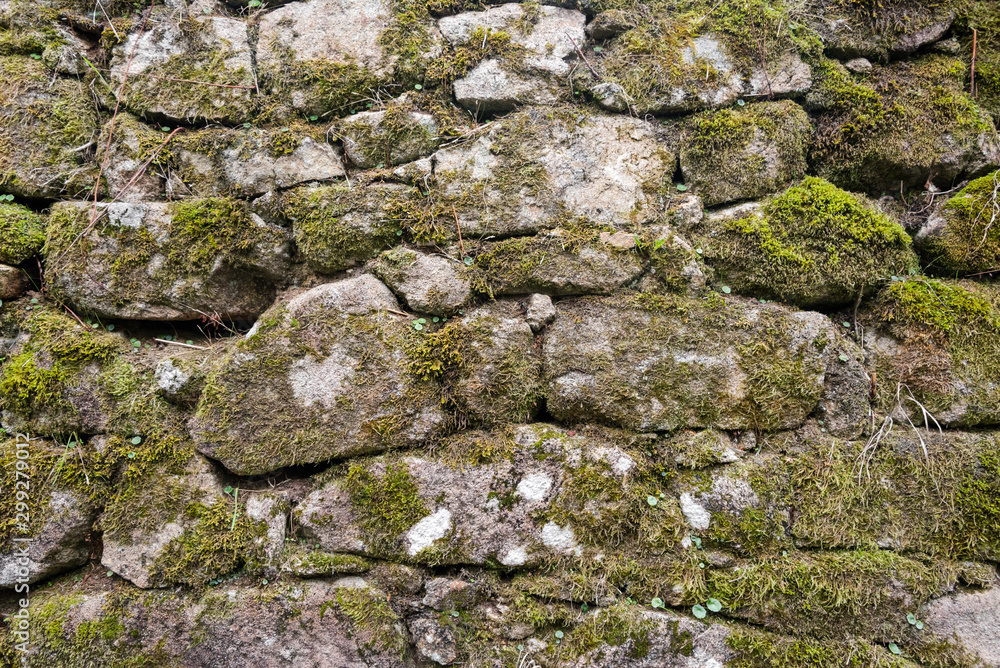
x=417 y=87
x=652 y=500
x=657 y=602
x=228 y=489
x=417 y=326
x=559 y=634
x=714 y=604
x=726 y=289
x=919 y=625
x=846 y=324
x=469 y=261
x=454 y=613
x=699 y=612
x=842 y=357
x=111 y=328
x=136 y=440
x=740 y=102
x=681 y=187
x=584 y=607
x=894 y=648
x=911 y=619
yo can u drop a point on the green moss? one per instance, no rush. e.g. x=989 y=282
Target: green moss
x=759 y=649
x=337 y=226
x=387 y=503
x=222 y=539
x=970 y=239
x=722 y=157
x=887 y=127
x=830 y=595
x=375 y=623
x=811 y=244
x=22 y=233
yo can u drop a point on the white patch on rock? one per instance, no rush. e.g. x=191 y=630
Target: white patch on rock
x=695 y=513
x=122 y=214
x=170 y=378
x=515 y=557
x=322 y=382
x=560 y=539
x=426 y=531
x=534 y=487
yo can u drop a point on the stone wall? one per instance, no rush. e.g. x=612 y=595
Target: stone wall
x=578 y=334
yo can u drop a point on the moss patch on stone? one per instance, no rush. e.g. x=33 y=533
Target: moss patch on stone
x=810 y=245
x=22 y=233
x=969 y=240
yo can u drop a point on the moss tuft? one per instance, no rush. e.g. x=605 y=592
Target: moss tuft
x=22 y=233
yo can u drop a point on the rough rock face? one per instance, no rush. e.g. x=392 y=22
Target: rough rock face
x=48 y=124
x=158 y=65
x=161 y=261
x=610 y=333
x=539 y=43
x=676 y=375
x=337 y=355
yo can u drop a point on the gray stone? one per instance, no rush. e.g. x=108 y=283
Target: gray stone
x=178 y=380
x=320 y=376
x=213 y=49
x=859 y=65
x=428 y=283
x=434 y=642
x=128 y=176
x=60 y=544
x=972 y=617
x=447 y=594
x=392 y=136
x=271 y=511
x=13 y=282
x=540 y=312
x=675 y=374
x=250 y=162
x=494 y=86
x=608 y=24
x=173 y=271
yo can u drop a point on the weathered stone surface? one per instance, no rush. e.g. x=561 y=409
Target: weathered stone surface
x=972 y=617
x=446 y=594
x=960 y=235
x=671 y=77
x=178 y=380
x=533 y=166
x=932 y=345
x=250 y=162
x=211 y=49
x=128 y=177
x=22 y=233
x=744 y=153
x=50 y=533
x=654 y=356
x=160 y=261
x=433 y=641
x=540 y=312
x=338 y=226
x=392 y=136
x=546 y=37
x=341 y=623
x=426 y=510
x=498 y=379
x=271 y=511
x=874 y=32
x=48 y=126
x=323 y=375
x=428 y=283
x=13 y=282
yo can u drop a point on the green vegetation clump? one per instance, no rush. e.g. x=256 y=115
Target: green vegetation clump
x=760 y=649
x=726 y=152
x=376 y=625
x=885 y=130
x=22 y=233
x=389 y=504
x=969 y=239
x=810 y=245
x=338 y=226
x=951 y=336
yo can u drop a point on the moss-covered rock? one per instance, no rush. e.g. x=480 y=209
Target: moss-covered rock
x=338 y=226
x=962 y=235
x=164 y=69
x=347 y=623
x=744 y=152
x=648 y=362
x=679 y=59
x=529 y=50
x=322 y=376
x=22 y=233
x=46 y=518
x=428 y=283
x=247 y=162
x=859 y=28
x=935 y=348
x=165 y=261
x=528 y=170
x=508 y=498
x=390 y=136
x=812 y=245
x=900 y=125
x=61 y=377
x=133 y=144
x=47 y=127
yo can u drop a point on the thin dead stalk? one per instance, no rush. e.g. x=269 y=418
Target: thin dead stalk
x=972 y=83
x=191 y=81
x=178 y=343
x=460 y=242
x=580 y=53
